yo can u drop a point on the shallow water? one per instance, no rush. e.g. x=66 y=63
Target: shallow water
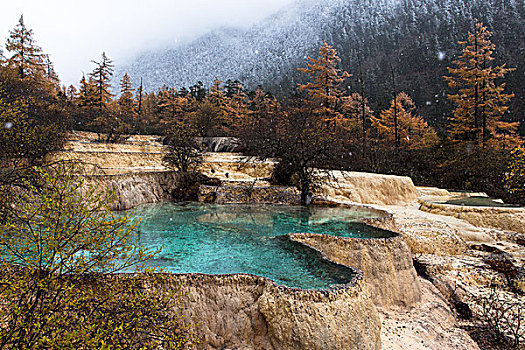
x=224 y=239
x=480 y=202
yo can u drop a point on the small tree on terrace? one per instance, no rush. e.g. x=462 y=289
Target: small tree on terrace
x=515 y=175
x=184 y=152
x=58 y=242
x=324 y=88
x=185 y=156
x=299 y=139
x=480 y=101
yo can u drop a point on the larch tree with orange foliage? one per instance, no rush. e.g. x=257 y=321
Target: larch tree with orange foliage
x=172 y=107
x=209 y=115
x=86 y=93
x=127 y=103
x=26 y=56
x=324 y=88
x=413 y=132
x=236 y=107
x=480 y=101
x=263 y=104
x=357 y=117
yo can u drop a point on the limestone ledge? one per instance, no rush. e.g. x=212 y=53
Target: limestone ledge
x=366 y=188
x=242 y=311
x=131 y=190
x=118 y=162
x=239 y=194
x=507 y=219
x=385 y=262
x=432 y=192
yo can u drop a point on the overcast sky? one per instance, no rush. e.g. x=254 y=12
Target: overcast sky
x=74 y=32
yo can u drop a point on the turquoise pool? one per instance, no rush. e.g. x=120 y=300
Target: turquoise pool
x=225 y=239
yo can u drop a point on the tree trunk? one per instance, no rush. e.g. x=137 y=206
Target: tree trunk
x=304 y=187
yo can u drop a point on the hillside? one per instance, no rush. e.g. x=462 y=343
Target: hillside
x=418 y=38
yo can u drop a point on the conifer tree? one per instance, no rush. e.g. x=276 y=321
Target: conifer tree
x=106 y=118
x=71 y=92
x=140 y=90
x=324 y=89
x=26 y=56
x=357 y=117
x=218 y=99
x=480 y=101
x=263 y=103
x=216 y=95
x=86 y=94
x=412 y=130
x=172 y=107
x=49 y=71
x=101 y=79
x=209 y=114
x=198 y=92
x=236 y=108
x=126 y=102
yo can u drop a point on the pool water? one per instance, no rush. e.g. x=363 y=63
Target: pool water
x=476 y=201
x=225 y=239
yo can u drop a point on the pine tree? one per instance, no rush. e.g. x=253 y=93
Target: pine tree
x=172 y=107
x=413 y=132
x=71 y=93
x=26 y=56
x=480 y=101
x=324 y=89
x=236 y=108
x=49 y=71
x=140 y=90
x=86 y=94
x=357 y=117
x=263 y=104
x=101 y=78
x=126 y=102
x=216 y=95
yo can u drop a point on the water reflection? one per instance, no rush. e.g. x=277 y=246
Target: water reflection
x=219 y=239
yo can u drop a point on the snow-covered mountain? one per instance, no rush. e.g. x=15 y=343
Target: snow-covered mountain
x=266 y=51
x=417 y=38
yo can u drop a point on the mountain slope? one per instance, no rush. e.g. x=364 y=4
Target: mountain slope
x=415 y=38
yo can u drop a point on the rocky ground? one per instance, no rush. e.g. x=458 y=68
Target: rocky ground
x=429 y=325
x=459 y=262
x=456 y=260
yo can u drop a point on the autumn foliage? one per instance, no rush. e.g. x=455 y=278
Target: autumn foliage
x=480 y=100
x=378 y=136
x=324 y=88
x=413 y=131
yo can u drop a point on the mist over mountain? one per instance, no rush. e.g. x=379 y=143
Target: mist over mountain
x=417 y=39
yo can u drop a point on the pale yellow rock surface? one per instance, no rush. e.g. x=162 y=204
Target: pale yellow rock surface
x=250 y=312
x=430 y=325
x=131 y=190
x=432 y=191
x=237 y=310
x=366 y=188
x=509 y=219
x=236 y=168
x=385 y=262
